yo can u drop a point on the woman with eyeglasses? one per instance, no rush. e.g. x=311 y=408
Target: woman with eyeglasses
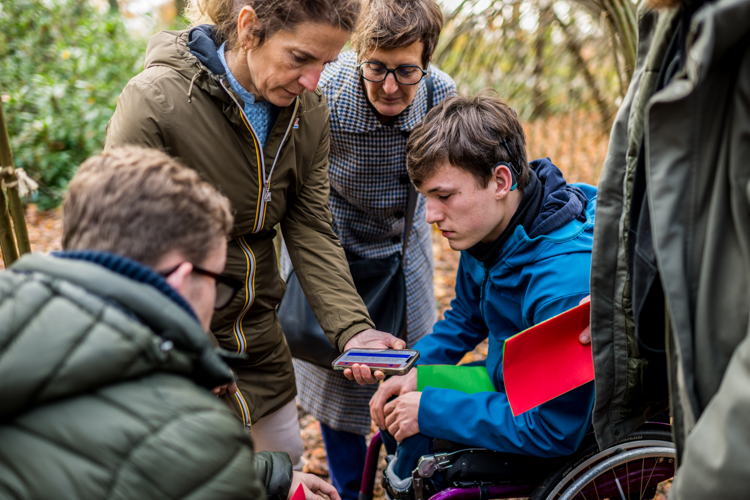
x=377 y=94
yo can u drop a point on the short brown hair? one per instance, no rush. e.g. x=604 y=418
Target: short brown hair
x=142 y=204
x=472 y=133
x=391 y=24
x=274 y=15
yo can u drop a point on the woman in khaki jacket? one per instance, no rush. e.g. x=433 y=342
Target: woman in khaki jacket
x=238 y=102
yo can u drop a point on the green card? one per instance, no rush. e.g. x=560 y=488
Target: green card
x=468 y=379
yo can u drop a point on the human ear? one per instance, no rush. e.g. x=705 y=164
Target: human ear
x=178 y=279
x=247 y=19
x=503 y=180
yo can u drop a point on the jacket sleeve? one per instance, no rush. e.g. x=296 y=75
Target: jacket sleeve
x=317 y=254
x=717 y=450
x=275 y=472
x=461 y=330
x=555 y=428
x=139 y=118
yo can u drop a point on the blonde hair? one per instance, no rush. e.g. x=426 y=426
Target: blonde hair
x=392 y=24
x=273 y=15
x=142 y=204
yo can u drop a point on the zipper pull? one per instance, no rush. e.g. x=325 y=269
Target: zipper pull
x=266 y=194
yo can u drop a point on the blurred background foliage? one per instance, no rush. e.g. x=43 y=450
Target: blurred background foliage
x=62 y=65
x=545 y=57
x=563 y=65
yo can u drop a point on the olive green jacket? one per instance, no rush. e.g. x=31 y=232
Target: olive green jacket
x=188 y=109
x=99 y=383
x=695 y=135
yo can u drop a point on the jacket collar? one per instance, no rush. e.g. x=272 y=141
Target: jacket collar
x=201 y=43
x=162 y=316
x=131 y=270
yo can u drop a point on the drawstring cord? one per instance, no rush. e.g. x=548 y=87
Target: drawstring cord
x=192 y=82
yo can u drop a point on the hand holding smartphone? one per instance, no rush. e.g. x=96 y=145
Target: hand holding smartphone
x=388 y=361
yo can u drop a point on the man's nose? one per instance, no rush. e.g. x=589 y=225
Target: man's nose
x=432 y=212
x=310 y=78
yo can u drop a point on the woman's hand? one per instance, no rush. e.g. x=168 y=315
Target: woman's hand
x=370 y=339
x=394 y=386
x=229 y=388
x=315 y=488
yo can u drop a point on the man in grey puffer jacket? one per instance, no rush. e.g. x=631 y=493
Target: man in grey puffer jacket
x=105 y=366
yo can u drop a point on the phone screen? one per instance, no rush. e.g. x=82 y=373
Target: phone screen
x=386 y=360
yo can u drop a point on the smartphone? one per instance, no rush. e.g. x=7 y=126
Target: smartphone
x=388 y=361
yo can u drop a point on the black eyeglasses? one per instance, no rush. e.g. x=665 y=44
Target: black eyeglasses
x=226 y=286
x=405 y=74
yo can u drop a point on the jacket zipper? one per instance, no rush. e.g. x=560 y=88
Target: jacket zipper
x=264 y=197
x=482 y=292
x=267 y=181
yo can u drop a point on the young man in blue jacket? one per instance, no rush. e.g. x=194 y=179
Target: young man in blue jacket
x=525 y=238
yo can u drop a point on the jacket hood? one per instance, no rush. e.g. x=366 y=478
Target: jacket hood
x=561 y=202
x=73 y=327
x=185 y=51
x=192 y=54
x=567 y=211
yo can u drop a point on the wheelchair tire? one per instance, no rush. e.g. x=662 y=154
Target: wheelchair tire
x=629 y=469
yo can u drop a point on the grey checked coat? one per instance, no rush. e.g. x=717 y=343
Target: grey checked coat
x=368 y=200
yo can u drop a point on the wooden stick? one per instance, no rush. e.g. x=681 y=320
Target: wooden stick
x=10 y=181
x=7 y=243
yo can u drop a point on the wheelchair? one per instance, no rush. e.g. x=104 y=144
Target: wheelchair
x=630 y=469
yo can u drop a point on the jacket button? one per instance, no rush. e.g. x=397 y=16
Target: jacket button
x=398 y=214
x=403 y=178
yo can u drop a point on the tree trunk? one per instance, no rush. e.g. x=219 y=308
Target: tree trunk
x=14 y=236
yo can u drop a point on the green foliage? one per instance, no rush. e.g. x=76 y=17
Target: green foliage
x=62 y=65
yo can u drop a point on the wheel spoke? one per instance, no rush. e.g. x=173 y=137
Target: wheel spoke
x=619 y=488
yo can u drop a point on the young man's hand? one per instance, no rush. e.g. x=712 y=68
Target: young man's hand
x=402 y=415
x=315 y=487
x=585 y=336
x=370 y=339
x=394 y=386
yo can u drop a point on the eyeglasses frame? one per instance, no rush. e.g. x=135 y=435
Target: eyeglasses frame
x=234 y=284
x=392 y=71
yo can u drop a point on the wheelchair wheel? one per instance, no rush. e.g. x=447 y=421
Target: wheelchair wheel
x=630 y=469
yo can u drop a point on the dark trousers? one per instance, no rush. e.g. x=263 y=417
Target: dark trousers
x=407 y=452
x=346 y=458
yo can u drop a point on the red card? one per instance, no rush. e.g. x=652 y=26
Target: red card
x=547 y=360
x=299 y=493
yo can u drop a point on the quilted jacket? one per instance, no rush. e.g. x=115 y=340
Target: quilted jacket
x=100 y=379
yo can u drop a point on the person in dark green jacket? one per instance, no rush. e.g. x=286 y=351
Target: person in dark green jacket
x=670 y=316
x=105 y=363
